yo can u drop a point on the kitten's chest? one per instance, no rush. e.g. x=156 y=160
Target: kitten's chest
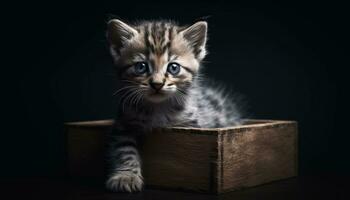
x=154 y=119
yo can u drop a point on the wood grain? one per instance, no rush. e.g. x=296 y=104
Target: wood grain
x=258 y=155
x=179 y=159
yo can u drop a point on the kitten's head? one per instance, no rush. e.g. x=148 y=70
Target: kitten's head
x=157 y=59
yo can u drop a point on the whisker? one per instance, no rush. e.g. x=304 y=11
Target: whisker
x=129 y=81
x=133 y=98
x=137 y=98
x=123 y=88
x=181 y=91
x=177 y=100
x=128 y=97
x=140 y=99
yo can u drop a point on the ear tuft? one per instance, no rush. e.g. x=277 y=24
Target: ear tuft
x=119 y=32
x=196 y=35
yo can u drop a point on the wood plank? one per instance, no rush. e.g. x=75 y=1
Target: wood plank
x=180 y=160
x=259 y=155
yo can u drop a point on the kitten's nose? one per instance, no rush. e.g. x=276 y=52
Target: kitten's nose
x=156 y=85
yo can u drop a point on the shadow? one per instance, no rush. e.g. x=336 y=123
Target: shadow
x=312 y=187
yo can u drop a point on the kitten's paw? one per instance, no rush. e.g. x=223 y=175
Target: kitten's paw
x=125 y=181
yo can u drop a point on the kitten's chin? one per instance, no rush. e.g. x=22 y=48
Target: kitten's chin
x=157 y=97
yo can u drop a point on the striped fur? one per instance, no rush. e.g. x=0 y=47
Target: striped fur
x=159 y=97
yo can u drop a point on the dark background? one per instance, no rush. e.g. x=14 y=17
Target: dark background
x=289 y=60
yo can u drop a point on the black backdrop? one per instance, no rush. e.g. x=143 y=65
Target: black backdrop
x=289 y=60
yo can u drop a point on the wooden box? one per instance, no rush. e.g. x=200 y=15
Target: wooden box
x=206 y=160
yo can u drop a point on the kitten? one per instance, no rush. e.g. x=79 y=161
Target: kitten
x=158 y=65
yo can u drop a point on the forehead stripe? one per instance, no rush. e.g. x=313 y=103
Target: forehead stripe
x=146 y=35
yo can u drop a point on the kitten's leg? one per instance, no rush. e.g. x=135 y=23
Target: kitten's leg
x=125 y=161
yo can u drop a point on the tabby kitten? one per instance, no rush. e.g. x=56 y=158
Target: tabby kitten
x=158 y=65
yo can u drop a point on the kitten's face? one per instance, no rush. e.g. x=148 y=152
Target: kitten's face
x=156 y=60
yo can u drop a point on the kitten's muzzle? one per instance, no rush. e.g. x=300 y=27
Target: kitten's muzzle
x=156 y=85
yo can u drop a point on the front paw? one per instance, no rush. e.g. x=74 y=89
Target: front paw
x=125 y=181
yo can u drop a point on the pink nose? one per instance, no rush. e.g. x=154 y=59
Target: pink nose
x=156 y=85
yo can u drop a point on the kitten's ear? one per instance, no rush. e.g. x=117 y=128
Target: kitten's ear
x=196 y=35
x=118 y=33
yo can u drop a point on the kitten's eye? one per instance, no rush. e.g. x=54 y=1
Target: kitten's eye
x=173 y=68
x=141 y=67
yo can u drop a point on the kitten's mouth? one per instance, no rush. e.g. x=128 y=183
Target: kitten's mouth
x=158 y=93
x=157 y=96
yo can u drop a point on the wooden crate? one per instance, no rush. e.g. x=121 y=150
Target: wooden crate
x=205 y=160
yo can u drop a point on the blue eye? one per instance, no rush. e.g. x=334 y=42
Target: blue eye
x=173 y=68
x=141 y=67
